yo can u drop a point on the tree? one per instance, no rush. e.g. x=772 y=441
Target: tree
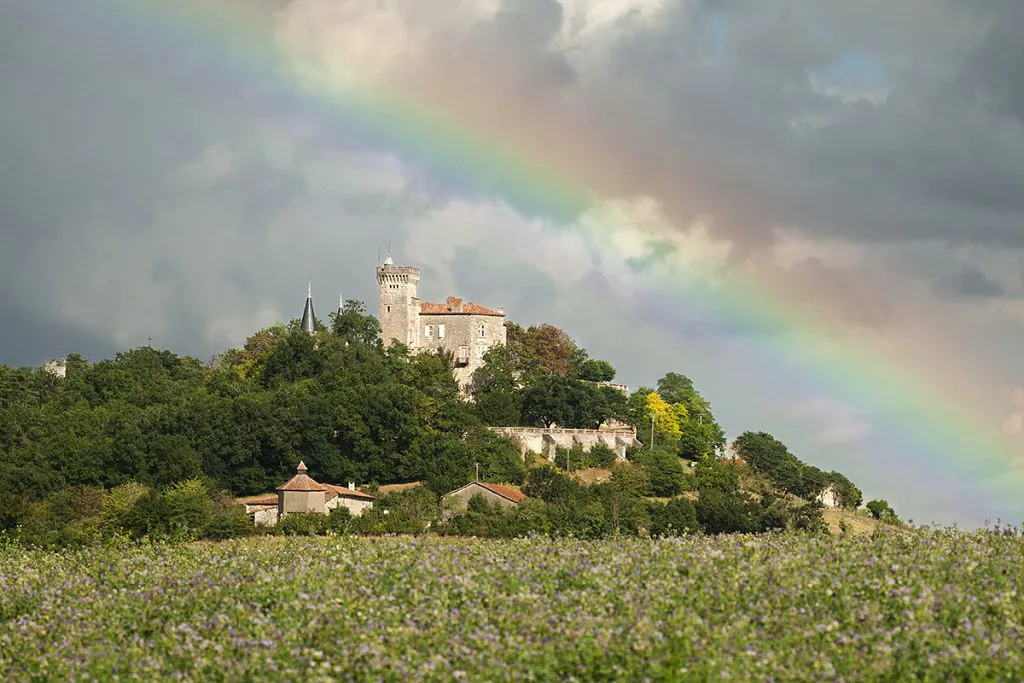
x=568 y=402
x=881 y=510
x=675 y=518
x=540 y=349
x=848 y=495
x=769 y=456
x=664 y=469
x=354 y=325
x=668 y=417
x=495 y=389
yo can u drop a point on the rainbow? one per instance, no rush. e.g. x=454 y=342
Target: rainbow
x=443 y=117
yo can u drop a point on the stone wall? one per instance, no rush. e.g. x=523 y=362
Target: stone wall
x=399 y=307
x=356 y=506
x=301 y=502
x=545 y=440
x=462 y=336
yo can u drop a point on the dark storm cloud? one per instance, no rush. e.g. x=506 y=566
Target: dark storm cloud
x=847 y=120
x=823 y=116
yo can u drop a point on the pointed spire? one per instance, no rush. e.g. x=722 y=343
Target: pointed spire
x=308 y=323
x=301 y=469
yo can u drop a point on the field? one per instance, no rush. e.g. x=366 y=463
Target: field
x=936 y=605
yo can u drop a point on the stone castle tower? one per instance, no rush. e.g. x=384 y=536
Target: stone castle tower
x=465 y=329
x=399 y=306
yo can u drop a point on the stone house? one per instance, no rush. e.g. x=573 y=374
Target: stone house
x=465 y=329
x=829 y=497
x=302 y=494
x=457 y=501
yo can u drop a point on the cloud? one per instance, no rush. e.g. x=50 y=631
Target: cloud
x=970 y=282
x=826 y=163
x=832 y=422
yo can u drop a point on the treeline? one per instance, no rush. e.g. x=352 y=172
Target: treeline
x=149 y=420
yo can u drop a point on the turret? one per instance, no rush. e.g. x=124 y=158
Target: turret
x=308 y=323
x=399 y=306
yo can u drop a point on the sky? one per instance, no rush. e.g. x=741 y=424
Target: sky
x=814 y=209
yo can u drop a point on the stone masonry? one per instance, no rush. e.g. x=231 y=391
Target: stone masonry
x=544 y=441
x=465 y=329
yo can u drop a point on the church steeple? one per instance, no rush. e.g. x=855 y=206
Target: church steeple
x=308 y=323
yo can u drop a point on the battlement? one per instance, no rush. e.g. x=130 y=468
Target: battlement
x=388 y=273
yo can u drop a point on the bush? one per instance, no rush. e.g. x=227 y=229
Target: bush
x=675 y=518
x=232 y=524
x=119 y=503
x=665 y=470
x=339 y=520
x=302 y=524
x=188 y=507
x=881 y=510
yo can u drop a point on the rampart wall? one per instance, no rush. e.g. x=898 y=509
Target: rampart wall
x=544 y=440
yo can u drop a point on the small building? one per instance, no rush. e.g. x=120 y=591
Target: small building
x=829 y=497
x=304 y=495
x=301 y=494
x=457 y=501
x=349 y=497
x=263 y=511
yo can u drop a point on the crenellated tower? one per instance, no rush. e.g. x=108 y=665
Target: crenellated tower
x=399 y=306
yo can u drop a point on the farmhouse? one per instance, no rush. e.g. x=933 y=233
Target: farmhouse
x=302 y=494
x=457 y=501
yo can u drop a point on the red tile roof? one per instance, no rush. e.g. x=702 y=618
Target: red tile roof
x=334 y=491
x=456 y=306
x=269 y=500
x=302 y=482
x=505 y=491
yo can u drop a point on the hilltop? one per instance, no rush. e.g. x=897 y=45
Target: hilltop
x=143 y=425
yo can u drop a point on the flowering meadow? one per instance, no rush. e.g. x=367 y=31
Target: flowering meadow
x=926 y=604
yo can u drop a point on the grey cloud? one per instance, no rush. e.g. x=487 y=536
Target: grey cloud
x=971 y=282
x=710 y=108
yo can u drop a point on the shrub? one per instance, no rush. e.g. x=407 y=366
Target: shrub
x=232 y=524
x=675 y=518
x=302 y=524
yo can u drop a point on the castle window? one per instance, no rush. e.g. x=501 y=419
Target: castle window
x=440 y=331
x=480 y=350
x=389 y=308
x=428 y=331
x=481 y=330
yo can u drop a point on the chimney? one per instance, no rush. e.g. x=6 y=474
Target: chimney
x=454 y=304
x=351 y=486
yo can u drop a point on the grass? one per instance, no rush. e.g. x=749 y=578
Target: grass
x=931 y=604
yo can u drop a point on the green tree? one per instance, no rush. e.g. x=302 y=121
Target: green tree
x=495 y=389
x=881 y=510
x=354 y=325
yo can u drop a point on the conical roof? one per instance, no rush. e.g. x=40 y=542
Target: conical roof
x=308 y=324
x=301 y=482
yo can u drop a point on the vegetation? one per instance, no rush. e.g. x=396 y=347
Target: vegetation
x=151 y=444
x=928 y=605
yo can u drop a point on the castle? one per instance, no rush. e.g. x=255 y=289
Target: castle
x=465 y=329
